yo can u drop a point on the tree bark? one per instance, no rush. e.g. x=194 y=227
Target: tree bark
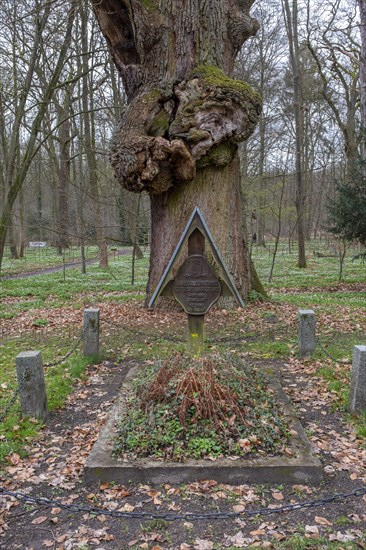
x=178 y=138
x=63 y=184
x=362 y=9
x=291 y=21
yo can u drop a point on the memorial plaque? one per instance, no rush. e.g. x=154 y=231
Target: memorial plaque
x=196 y=286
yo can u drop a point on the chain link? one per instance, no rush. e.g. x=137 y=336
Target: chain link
x=13 y=398
x=59 y=361
x=42 y=501
x=9 y=405
x=319 y=344
x=178 y=340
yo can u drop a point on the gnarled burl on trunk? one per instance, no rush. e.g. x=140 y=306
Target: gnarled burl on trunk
x=179 y=136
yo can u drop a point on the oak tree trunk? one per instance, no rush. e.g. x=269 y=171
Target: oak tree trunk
x=178 y=138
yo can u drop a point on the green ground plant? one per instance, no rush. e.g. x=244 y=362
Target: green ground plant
x=40 y=258
x=217 y=405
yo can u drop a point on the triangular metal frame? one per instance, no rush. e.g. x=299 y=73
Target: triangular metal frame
x=196 y=221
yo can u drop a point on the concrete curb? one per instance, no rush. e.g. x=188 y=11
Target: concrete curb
x=303 y=468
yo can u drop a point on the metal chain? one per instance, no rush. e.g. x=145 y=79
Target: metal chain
x=330 y=356
x=172 y=338
x=59 y=361
x=141 y=333
x=41 y=501
x=13 y=398
x=9 y=405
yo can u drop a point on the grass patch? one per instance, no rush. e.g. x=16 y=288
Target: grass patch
x=299 y=542
x=322 y=265
x=195 y=408
x=61 y=379
x=338 y=378
x=52 y=291
x=17 y=432
x=41 y=258
x=360 y=423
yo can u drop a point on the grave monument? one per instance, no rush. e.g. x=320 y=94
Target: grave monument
x=196 y=285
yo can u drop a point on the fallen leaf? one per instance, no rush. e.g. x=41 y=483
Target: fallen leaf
x=54 y=520
x=238 y=540
x=39 y=520
x=14 y=459
x=127 y=508
x=322 y=521
x=239 y=508
x=203 y=544
x=312 y=529
x=257 y=532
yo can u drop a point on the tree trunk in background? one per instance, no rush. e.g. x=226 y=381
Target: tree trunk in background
x=21 y=225
x=89 y=141
x=262 y=186
x=362 y=9
x=63 y=184
x=12 y=241
x=291 y=22
x=178 y=138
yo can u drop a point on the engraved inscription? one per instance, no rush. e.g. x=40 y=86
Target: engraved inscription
x=196 y=286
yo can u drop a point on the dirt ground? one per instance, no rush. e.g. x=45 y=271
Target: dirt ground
x=54 y=469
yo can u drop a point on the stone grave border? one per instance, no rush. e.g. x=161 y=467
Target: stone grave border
x=303 y=468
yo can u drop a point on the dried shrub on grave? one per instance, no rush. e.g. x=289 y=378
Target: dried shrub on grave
x=213 y=406
x=195 y=392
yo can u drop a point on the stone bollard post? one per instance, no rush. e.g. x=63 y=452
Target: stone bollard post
x=306 y=331
x=91 y=331
x=32 y=389
x=357 y=396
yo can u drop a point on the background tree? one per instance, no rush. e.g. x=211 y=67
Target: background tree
x=19 y=149
x=347 y=211
x=362 y=10
x=334 y=46
x=291 y=22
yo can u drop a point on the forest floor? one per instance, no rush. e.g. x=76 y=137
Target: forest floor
x=45 y=313
x=54 y=467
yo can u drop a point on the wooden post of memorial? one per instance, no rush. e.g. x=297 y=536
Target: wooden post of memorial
x=196 y=286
